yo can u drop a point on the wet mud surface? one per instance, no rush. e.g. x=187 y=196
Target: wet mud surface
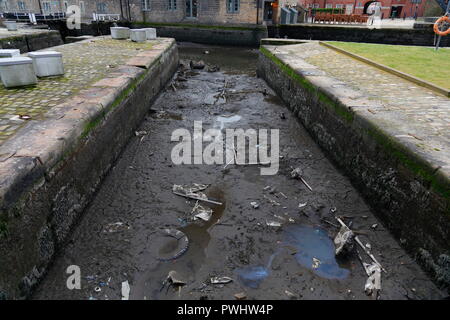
x=121 y=235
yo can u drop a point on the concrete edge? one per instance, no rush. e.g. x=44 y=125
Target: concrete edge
x=40 y=196
x=276 y=41
x=390 y=70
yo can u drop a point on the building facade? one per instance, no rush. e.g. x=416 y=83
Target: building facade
x=389 y=8
x=235 y=12
x=209 y=11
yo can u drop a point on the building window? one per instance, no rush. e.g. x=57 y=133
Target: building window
x=233 y=6
x=145 y=5
x=339 y=6
x=101 y=7
x=348 y=9
x=82 y=7
x=3 y=5
x=21 y=5
x=191 y=8
x=46 y=7
x=316 y=6
x=172 y=4
x=329 y=6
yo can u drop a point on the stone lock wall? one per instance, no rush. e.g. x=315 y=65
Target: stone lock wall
x=409 y=196
x=41 y=199
x=419 y=37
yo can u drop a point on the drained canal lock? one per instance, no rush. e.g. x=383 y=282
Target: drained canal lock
x=260 y=236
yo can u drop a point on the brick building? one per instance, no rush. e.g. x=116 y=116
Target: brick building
x=163 y=11
x=207 y=11
x=390 y=8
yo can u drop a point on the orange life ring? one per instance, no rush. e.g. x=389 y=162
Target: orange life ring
x=436 y=26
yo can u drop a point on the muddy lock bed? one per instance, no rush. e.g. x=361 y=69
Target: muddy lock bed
x=121 y=235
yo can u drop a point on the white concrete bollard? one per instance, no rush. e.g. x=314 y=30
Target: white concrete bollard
x=120 y=33
x=17 y=72
x=151 y=33
x=47 y=63
x=9 y=53
x=138 y=35
x=10 y=25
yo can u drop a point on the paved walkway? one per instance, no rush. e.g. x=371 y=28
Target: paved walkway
x=419 y=115
x=84 y=63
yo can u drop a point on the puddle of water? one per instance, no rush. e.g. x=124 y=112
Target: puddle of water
x=168 y=248
x=253 y=276
x=223 y=120
x=311 y=242
x=232 y=60
x=198 y=234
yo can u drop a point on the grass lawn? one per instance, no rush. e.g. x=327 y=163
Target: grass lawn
x=422 y=62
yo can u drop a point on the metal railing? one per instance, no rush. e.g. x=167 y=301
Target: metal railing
x=106 y=16
x=33 y=17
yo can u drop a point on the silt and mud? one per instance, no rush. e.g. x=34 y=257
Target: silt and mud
x=265 y=262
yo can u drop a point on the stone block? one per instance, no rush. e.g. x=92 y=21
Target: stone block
x=120 y=32
x=138 y=35
x=47 y=63
x=17 y=72
x=9 y=53
x=10 y=25
x=151 y=33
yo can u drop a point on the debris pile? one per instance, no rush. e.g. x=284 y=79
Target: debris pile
x=173 y=279
x=200 y=212
x=193 y=192
x=221 y=280
x=297 y=173
x=182 y=242
x=344 y=243
x=125 y=290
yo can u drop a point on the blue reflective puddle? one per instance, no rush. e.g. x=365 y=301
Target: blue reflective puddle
x=311 y=242
x=254 y=275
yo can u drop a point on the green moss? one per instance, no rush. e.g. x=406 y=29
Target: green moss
x=92 y=124
x=197 y=26
x=410 y=162
x=13 y=38
x=308 y=86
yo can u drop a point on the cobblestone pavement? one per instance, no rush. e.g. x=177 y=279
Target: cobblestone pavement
x=84 y=63
x=426 y=112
